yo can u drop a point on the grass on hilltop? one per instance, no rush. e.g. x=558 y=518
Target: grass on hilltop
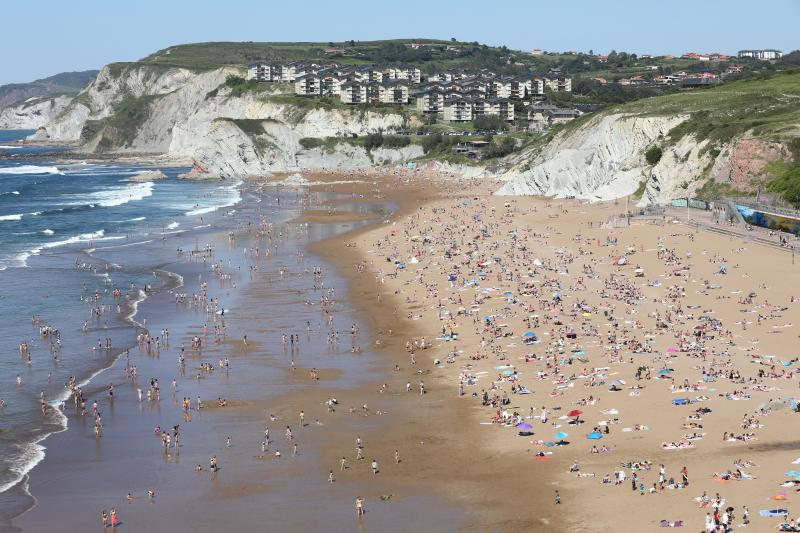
x=768 y=106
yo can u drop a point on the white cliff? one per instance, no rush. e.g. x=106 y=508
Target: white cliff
x=193 y=115
x=604 y=159
x=32 y=113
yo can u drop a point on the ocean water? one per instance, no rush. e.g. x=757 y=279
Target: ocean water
x=55 y=222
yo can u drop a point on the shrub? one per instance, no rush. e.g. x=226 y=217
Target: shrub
x=500 y=149
x=311 y=142
x=489 y=122
x=373 y=140
x=396 y=141
x=653 y=155
x=431 y=142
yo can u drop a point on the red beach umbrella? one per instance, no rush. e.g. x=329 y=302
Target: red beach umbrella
x=575 y=412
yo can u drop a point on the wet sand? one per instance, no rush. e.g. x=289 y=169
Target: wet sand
x=80 y=475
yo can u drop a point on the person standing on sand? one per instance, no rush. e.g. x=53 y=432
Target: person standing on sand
x=114 y=519
x=104 y=518
x=558 y=498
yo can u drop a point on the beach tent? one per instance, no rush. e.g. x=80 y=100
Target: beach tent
x=594 y=435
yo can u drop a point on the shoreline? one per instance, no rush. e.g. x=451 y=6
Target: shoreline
x=435 y=454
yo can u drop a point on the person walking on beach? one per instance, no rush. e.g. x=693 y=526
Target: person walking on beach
x=359 y=507
x=558 y=498
x=375 y=466
x=104 y=518
x=114 y=519
x=330 y=476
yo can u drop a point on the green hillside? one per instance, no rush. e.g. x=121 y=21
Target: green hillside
x=434 y=54
x=768 y=106
x=63 y=83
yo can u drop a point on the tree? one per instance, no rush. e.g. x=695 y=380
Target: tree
x=653 y=155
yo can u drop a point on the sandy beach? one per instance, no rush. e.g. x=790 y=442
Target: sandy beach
x=508 y=354
x=673 y=347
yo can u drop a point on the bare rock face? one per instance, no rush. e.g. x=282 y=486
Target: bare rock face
x=604 y=159
x=742 y=163
x=192 y=115
x=33 y=113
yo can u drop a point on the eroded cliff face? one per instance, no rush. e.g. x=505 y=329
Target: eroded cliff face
x=192 y=115
x=33 y=113
x=604 y=159
x=742 y=164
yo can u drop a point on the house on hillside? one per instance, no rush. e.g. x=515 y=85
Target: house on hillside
x=430 y=102
x=560 y=84
x=559 y=116
x=457 y=109
x=393 y=92
x=410 y=74
x=330 y=85
x=308 y=85
x=471 y=149
x=502 y=107
x=766 y=54
x=353 y=92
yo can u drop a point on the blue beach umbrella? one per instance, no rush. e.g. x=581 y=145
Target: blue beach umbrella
x=560 y=435
x=594 y=435
x=529 y=334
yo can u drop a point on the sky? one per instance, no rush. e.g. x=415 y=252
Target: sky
x=43 y=37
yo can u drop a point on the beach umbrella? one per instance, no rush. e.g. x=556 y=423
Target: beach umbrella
x=508 y=372
x=680 y=401
x=594 y=435
x=664 y=372
x=529 y=334
x=575 y=412
x=560 y=435
x=524 y=426
x=671 y=350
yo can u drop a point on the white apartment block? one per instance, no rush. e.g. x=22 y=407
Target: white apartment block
x=766 y=54
x=353 y=92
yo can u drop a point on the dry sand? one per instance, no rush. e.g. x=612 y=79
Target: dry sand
x=491 y=469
